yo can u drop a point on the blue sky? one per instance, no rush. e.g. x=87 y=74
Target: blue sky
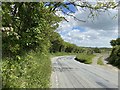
x=79 y=28
x=71 y=7
x=92 y=33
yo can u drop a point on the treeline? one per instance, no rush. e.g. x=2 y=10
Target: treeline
x=114 y=58
x=31 y=26
x=59 y=45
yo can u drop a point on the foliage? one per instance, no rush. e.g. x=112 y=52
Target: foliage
x=94 y=9
x=118 y=41
x=31 y=71
x=99 y=61
x=89 y=50
x=26 y=26
x=97 y=50
x=114 y=58
x=85 y=58
x=29 y=27
x=105 y=50
x=58 y=45
x=115 y=42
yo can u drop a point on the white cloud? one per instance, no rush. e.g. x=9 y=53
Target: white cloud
x=104 y=21
x=97 y=33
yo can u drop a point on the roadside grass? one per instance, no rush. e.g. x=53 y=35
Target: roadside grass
x=61 y=54
x=84 y=58
x=100 y=62
x=31 y=71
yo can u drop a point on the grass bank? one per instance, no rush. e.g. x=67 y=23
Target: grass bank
x=84 y=58
x=100 y=62
x=31 y=71
x=61 y=54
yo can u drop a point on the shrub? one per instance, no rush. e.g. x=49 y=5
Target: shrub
x=114 y=58
x=97 y=50
x=30 y=71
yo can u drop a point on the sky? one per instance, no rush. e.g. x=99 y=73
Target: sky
x=92 y=33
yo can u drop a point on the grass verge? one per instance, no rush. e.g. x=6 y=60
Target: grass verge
x=100 y=62
x=31 y=71
x=61 y=54
x=84 y=58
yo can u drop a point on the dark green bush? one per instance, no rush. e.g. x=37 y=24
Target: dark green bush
x=114 y=58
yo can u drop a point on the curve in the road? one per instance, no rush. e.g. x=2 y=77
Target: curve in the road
x=68 y=73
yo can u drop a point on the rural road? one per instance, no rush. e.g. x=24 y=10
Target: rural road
x=69 y=73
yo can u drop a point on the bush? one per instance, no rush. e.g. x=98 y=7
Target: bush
x=97 y=50
x=114 y=58
x=84 y=58
x=31 y=71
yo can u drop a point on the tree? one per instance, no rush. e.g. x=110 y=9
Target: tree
x=95 y=9
x=118 y=41
x=114 y=58
x=113 y=42
x=29 y=27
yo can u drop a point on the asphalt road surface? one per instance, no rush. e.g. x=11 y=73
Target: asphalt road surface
x=69 y=73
